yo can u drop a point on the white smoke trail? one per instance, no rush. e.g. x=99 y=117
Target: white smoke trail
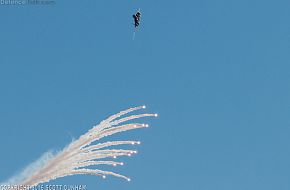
x=80 y=154
x=17 y=179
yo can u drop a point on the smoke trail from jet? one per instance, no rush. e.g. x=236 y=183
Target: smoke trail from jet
x=81 y=154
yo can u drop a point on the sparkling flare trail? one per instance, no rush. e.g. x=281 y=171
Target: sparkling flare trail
x=81 y=154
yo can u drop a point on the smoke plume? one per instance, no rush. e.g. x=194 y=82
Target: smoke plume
x=81 y=154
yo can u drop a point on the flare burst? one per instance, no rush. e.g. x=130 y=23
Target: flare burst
x=81 y=154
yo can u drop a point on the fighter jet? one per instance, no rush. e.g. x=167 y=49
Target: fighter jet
x=137 y=18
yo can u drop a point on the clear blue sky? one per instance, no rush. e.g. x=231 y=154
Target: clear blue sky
x=217 y=72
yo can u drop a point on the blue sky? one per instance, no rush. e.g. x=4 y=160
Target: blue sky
x=217 y=72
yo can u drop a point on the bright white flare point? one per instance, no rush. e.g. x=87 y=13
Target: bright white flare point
x=143 y=106
x=78 y=156
x=104 y=177
x=155 y=115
